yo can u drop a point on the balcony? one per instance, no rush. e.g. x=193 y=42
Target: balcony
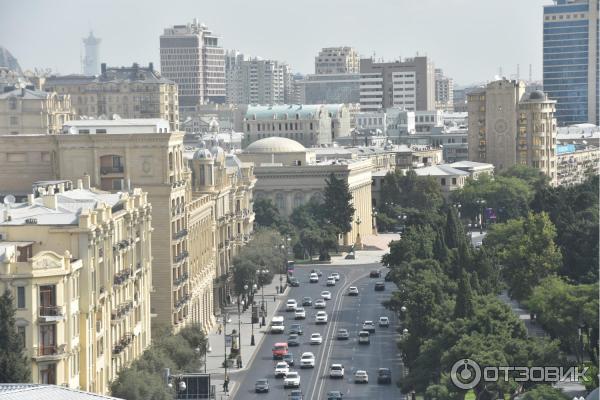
x=122 y=344
x=121 y=311
x=112 y=170
x=121 y=277
x=181 y=256
x=178 y=281
x=181 y=302
x=49 y=352
x=51 y=313
x=181 y=234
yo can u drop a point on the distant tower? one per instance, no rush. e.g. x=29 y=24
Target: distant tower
x=91 y=61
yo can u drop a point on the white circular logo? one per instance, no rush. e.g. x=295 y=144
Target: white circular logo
x=465 y=374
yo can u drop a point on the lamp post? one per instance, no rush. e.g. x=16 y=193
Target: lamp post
x=240 y=331
x=252 y=342
x=225 y=320
x=374 y=214
x=481 y=204
x=263 y=307
x=207 y=349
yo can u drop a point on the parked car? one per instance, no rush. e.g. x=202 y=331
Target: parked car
x=292 y=379
x=384 y=375
x=342 y=334
x=261 y=386
x=384 y=322
x=361 y=376
x=336 y=371
x=379 y=287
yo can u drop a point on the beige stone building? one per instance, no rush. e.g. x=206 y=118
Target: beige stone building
x=289 y=175
x=130 y=92
x=146 y=153
x=26 y=111
x=508 y=127
x=575 y=162
x=79 y=265
x=337 y=60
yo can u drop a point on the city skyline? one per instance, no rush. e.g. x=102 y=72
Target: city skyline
x=309 y=30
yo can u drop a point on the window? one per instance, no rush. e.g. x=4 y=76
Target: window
x=443 y=181
x=454 y=181
x=21 y=331
x=12 y=103
x=21 y=297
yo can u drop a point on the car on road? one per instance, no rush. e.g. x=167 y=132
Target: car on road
x=314 y=278
x=277 y=325
x=294 y=282
x=384 y=375
x=361 y=376
x=336 y=371
x=388 y=277
x=261 y=386
x=307 y=301
x=289 y=359
x=326 y=294
x=296 y=328
x=291 y=305
x=352 y=291
x=279 y=350
x=379 y=287
x=291 y=380
x=334 y=395
x=364 y=337
x=316 y=271
x=336 y=275
x=293 y=340
x=307 y=360
x=331 y=281
x=320 y=303
x=368 y=326
x=375 y=274
x=296 y=395
x=342 y=334
x=300 y=313
x=384 y=322
x=316 y=338
x=321 y=317
x=281 y=369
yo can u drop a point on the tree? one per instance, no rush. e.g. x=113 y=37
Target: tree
x=455 y=234
x=14 y=366
x=266 y=214
x=532 y=176
x=134 y=384
x=544 y=392
x=464 y=297
x=338 y=207
x=526 y=251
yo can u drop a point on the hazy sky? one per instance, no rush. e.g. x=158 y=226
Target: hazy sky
x=469 y=39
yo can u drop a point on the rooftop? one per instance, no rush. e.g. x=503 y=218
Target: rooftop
x=30 y=391
x=284 y=111
x=275 y=145
x=440 y=170
x=117 y=126
x=26 y=94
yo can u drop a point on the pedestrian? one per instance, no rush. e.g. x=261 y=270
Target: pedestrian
x=226 y=384
x=220 y=329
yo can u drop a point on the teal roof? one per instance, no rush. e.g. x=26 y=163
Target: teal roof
x=333 y=109
x=284 y=111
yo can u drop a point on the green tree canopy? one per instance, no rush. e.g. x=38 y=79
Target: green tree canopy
x=14 y=365
x=544 y=392
x=266 y=214
x=338 y=208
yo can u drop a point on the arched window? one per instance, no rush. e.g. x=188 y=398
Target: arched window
x=298 y=200
x=12 y=103
x=280 y=201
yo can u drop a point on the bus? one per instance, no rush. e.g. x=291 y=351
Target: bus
x=290 y=267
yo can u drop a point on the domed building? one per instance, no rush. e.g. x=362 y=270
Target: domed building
x=289 y=174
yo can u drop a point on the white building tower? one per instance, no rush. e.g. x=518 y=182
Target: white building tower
x=91 y=61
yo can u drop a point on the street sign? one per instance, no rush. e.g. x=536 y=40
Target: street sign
x=197 y=387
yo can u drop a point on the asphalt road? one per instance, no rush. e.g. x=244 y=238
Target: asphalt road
x=343 y=312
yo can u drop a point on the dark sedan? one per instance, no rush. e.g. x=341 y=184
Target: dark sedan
x=384 y=375
x=379 y=287
x=261 y=386
x=293 y=340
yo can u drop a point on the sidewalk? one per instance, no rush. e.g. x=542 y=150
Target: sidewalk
x=533 y=328
x=216 y=357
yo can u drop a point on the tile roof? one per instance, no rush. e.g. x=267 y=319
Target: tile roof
x=29 y=391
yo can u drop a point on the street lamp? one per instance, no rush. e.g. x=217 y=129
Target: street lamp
x=240 y=331
x=374 y=214
x=207 y=349
x=263 y=307
x=226 y=319
x=481 y=204
x=252 y=342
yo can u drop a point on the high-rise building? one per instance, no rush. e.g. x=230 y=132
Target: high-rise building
x=331 y=89
x=26 y=111
x=571 y=60
x=408 y=84
x=444 y=91
x=256 y=80
x=91 y=60
x=130 y=92
x=337 y=60
x=191 y=56
x=508 y=127
x=79 y=264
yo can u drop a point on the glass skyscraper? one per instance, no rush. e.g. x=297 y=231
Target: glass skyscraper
x=571 y=59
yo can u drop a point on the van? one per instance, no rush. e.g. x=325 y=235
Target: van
x=277 y=324
x=363 y=337
x=279 y=350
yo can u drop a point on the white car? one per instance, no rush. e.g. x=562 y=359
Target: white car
x=316 y=338
x=300 y=313
x=331 y=281
x=336 y=371
x=320 y=303
x=292 y=379
x=336 y=276
x=326 y=294
x=361 y=376
x=314 y=278
x=352 y=291
x=384 y=322
x=281 y=369
x=291 y=305
x=369 y=326
x=321 y=317
x=307 y=360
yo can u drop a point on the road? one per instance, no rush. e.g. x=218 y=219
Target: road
x=343 y=312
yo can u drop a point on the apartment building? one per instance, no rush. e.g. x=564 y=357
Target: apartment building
x=120 y=154
x=337 y=60
x=129 y=92
x=508 y=127
x=444 y=91
x=408 y=84
x=78 y=262
x=26 y=111
x=191 y=56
